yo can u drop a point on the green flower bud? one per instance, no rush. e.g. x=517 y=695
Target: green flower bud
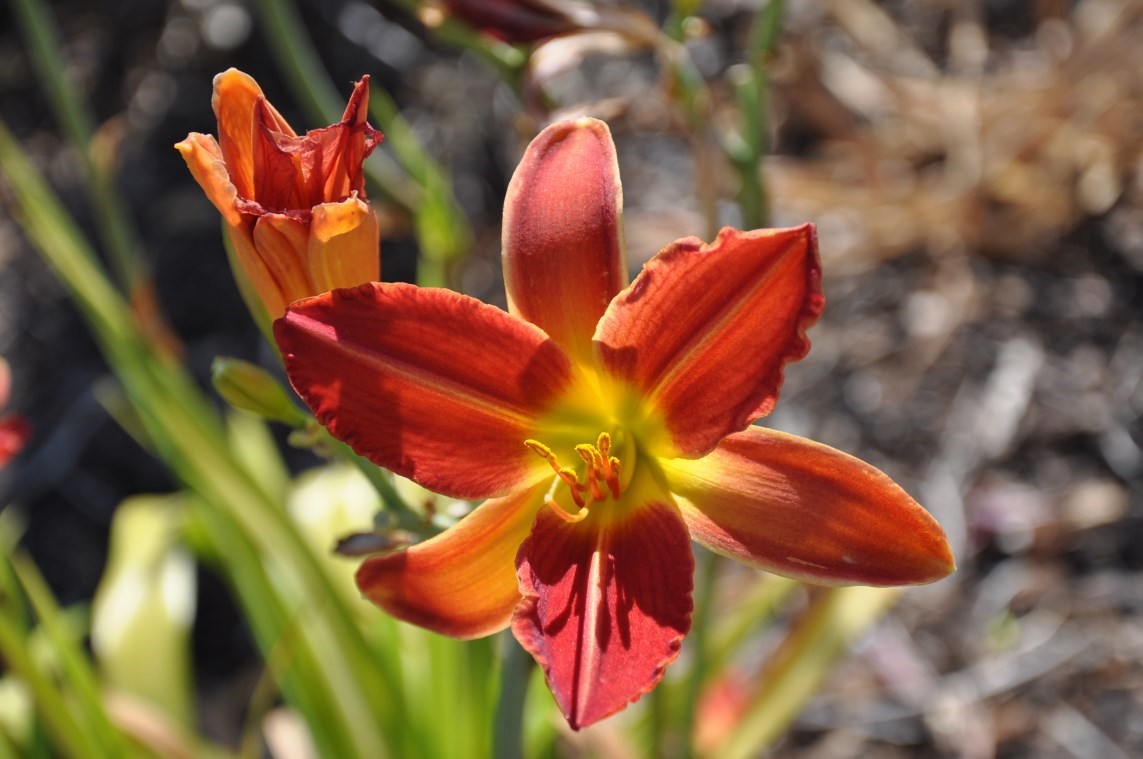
x=250 y=388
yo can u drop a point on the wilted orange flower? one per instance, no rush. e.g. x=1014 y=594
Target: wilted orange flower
x=608 y=423
x=294 y=207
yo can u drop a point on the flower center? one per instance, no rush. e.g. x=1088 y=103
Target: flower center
x=600 y=480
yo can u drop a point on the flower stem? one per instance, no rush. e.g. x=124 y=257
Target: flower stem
x=752 y=91
x=706 y=573
x=515 y=672
x=115 y=229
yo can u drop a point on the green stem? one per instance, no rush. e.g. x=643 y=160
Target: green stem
x=111 y=219
x=53 y=708
x=515 y=672
x=752 y=91
x=508 y=60
x=693 y=98
x=798 y=667
x=706 y=574
x=73 y=665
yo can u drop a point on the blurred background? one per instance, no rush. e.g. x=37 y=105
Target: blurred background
x=976 y=172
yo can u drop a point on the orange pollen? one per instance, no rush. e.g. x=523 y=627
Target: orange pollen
x=602 y=469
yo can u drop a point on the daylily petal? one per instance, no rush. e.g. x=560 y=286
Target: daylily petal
x=281 y=243
x=336 y=247
x=433 y=385
x=323 y=166
x=343 y=245
x=802 y=509
x=705 y=330
x=204 y=159
x=606 y=605
x=562 y=233
x=235 y=98
x=462 y=582
x=337 y=168
x=277 y=178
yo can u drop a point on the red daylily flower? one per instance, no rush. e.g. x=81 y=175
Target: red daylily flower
x=295 y=207
x=608 y=423
x=14 y=430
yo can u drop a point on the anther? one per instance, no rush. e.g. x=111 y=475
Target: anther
x=613 y=476
x=604 y=445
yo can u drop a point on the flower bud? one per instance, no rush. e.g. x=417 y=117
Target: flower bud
x=250 y=388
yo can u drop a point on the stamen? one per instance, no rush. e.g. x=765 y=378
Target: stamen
x=591 y=457
x=612 y=476
x=544 y=451
x=601 y=467
x=565 y=474
x=579 y=516
x=569 y=478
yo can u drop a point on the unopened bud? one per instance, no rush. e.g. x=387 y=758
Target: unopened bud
x=250 y=388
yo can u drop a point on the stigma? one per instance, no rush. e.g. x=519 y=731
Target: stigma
x=600 y=480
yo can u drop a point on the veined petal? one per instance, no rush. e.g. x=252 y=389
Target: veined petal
x=281 y=243
x=323 y=166
x=204 y=159
x=336 y=247
x=255 y=269
x=235 y=97
x=606 y=605
x=277 y=177
x=562 y=232
x=462 y=582
x=704 y=331
x=343 y=245
x=433 y=385
x=343 y=148
x=802 y=509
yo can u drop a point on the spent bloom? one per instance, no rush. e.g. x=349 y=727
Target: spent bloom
x=607 y=423
x=294 y=206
